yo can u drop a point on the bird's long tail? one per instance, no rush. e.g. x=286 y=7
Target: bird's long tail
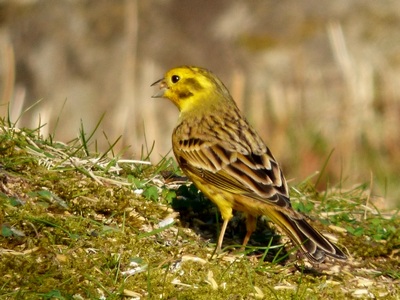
x=312 y=243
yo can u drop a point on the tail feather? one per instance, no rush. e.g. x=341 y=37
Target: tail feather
x=312 y=243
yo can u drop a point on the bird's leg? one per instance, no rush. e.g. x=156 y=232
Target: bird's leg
x=221 y=235
x=251 y=224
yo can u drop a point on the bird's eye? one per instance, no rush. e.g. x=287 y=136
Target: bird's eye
x=175 y=78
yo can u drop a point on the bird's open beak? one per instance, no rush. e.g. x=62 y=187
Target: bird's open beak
x=163 y=88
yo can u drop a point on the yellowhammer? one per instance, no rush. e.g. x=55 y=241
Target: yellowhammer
x=227 y=160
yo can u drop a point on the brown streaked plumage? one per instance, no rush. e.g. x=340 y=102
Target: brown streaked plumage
x=228 y=161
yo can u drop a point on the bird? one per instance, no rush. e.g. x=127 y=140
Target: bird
x=226 y=159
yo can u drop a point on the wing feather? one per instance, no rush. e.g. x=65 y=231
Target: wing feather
x=257 y=176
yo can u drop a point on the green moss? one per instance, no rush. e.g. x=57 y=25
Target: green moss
x=67 y=235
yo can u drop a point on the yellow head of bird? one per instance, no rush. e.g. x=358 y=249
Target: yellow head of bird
x=189 y=87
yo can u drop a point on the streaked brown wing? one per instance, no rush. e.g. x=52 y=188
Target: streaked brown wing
x=248 y=174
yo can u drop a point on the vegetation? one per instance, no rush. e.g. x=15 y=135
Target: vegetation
x=78 y=224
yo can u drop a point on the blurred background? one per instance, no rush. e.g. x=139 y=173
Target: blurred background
x=312 y=76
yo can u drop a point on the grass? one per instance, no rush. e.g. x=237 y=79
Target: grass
x=77 y=224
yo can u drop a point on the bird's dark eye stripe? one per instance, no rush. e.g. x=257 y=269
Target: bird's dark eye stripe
x=175 y=78
x=193 y=83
